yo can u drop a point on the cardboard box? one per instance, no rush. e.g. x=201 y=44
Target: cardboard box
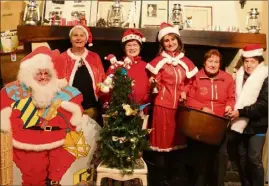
x=11 y=14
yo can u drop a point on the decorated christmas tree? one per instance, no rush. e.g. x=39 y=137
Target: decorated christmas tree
x=122 y=137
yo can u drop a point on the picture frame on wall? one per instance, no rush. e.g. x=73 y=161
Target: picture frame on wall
x=66 y=12
x=200 y=16
x=105 y=6
x=153 y=13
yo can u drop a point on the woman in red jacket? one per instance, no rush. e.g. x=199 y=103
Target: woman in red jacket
x=170 y=70
x=212 y=91
x=84 y=70
x=132 y=40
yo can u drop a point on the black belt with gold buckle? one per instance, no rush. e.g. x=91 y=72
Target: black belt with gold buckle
x=47 y=128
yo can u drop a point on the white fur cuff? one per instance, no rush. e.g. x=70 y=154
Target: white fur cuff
x=75 y=110
x=239 y=124
x=5 y=119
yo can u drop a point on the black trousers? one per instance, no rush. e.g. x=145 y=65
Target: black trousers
x=206 y=163
x=249 y=159
x=166 y=168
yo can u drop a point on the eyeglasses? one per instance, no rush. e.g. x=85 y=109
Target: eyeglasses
x=132 y=46
x=45 y=73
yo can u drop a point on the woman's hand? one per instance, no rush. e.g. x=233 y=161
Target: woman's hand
x=152 y=80
x=183 y=96
x=228 y=110
x=153 y=84
x=208 y=110
x=234 y=115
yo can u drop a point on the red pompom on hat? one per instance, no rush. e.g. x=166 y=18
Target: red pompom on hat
x=252 y=50
x=86 y=30
x=131 y=34
x=166 y=28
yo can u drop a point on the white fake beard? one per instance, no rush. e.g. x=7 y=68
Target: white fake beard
x=42 y=95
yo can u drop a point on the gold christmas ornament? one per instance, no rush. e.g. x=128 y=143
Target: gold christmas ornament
x=120 y=139
x=128 y=110
x=133 y=140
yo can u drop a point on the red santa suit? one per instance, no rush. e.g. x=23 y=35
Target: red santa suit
x=38 y=134
x=215 y=93
x=138 y=73
x=171 y=71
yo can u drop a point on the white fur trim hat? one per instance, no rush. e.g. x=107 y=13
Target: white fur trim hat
x=252 y=50
x=131 y=34
x=43 y=58
x=86 y=30
x=166 y=28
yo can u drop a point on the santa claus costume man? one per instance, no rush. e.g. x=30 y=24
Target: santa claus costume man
x=37 y=108
x=84 y=70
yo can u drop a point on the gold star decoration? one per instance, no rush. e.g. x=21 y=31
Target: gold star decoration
x=76 y=144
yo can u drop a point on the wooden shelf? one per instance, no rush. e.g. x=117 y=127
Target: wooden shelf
x=189 y=37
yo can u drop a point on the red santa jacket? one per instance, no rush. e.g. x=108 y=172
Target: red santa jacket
x=215 y=93
x=138 y=73
x=18 y=115
x=172 y=74
x=93 y=64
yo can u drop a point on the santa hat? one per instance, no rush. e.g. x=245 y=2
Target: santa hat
x=166 y=28
x=111 y=58
x=86 y=30
x=43 y=58
x=252 y=50
x=131 y=34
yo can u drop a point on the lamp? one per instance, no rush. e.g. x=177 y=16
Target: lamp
x=178 y=16
x=115 y=15
x=31 y=13
x=253 y=23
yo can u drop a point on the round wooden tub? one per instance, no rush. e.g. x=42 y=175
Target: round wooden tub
x=202 y=126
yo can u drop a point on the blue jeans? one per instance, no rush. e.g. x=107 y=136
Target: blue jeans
x=249 y=160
